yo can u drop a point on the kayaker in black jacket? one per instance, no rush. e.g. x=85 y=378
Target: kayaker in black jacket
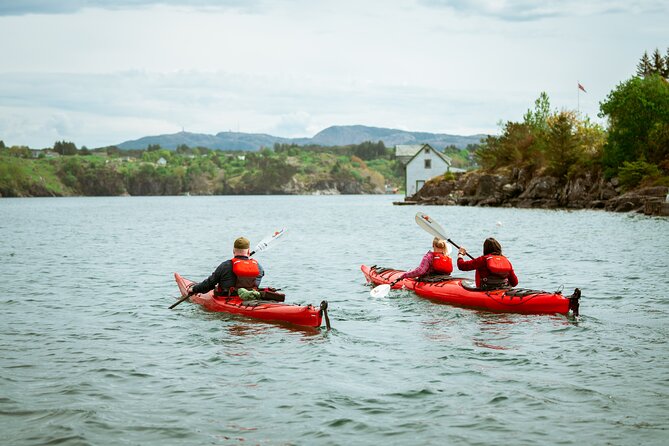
x=239 y=272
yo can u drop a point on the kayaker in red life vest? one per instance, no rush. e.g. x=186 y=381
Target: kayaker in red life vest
x=436 y=261
x=239 y=272
x=493 y=270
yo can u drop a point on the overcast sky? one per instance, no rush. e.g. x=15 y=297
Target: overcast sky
x=99 y=72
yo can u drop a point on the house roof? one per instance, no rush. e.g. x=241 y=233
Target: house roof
x=407 y=149
x=446 y=159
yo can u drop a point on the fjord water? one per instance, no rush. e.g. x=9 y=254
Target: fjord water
x=91 y=354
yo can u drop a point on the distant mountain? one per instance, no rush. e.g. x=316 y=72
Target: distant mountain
x=331 y=136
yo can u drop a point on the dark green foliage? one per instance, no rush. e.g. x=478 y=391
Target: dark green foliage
x=631 y=174
x=266 y=173
x=90 y=178
x=149 y=180
x=655 y=65
x=515 y=146
x=369 y=150
x=557 y=141
x=638 y=114
x=65 y=148
x=562 y=144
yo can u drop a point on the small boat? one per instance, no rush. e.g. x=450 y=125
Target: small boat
x=303 y=315
x=463 y=292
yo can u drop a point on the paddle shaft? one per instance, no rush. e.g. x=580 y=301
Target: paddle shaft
x=179 y=301
x=455 y=244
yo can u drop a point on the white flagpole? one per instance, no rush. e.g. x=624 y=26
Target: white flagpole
x=578 y=99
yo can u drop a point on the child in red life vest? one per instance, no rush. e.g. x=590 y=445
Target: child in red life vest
x=493 y=270
x=436 y=261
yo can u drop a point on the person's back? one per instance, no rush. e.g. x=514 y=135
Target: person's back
x=239 y=272
x=493 y=270
x=436 y=261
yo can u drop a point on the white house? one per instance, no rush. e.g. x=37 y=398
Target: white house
x=422 y=163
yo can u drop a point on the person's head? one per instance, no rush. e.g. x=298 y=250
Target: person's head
x=491 y=246
x=440 y=245
x=241 y=247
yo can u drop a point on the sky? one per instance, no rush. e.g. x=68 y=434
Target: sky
x=100 y=72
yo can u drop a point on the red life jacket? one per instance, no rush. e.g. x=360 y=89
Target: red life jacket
x=246 y=272
x=498 y=265
x=499 y=269
x=442 y=263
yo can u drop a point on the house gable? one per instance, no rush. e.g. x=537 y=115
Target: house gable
x=425 y=164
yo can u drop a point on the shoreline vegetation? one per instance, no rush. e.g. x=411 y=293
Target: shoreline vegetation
x=550 y=159
x=559 y=159
x=64 y=170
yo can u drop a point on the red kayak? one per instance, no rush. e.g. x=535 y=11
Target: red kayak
x=307 y=316
x=463 y=292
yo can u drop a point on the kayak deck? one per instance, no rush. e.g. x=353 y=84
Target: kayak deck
x=462 y=292
x=304 y=315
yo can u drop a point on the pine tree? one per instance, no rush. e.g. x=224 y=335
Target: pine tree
x=643 y=69
x=666 y=65
x=658 y=65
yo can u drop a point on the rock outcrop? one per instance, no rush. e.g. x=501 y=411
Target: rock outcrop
x=522 y=189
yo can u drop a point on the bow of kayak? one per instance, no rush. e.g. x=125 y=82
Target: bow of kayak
x=303 y=315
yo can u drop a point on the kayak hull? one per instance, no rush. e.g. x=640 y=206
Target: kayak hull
x=460 y=292
x=303 y=315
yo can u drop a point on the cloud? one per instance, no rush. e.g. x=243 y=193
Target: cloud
x=102 y=109
x=529 y=10
x=22 y=7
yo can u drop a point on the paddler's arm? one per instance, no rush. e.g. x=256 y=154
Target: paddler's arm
x=422 y=269
x=260 y=276
x=513 y=279
x=210 y=282
x=468 y=265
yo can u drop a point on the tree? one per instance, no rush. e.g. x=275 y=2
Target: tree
x=644 y=66
x=657 y=65
x=638 y=113
x=2 y=144
x=368 y=150
x=183 y=149
x=65 y=148
x=562 y=143
x=537 y=119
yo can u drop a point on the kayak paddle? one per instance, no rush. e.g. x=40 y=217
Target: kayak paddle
x=428 y=224
x=264 y=243
x=261 y=246
x=380 y=291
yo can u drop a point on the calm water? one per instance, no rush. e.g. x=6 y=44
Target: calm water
x=91 y=354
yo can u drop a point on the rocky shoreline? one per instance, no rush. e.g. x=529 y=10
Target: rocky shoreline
x=518 y=188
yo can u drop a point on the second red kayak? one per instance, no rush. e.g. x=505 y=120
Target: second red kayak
x=463 y=292
x=304 y=315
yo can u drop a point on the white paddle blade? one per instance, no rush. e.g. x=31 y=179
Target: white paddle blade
x=264 y=243
x=428 y=224
x=380 y=291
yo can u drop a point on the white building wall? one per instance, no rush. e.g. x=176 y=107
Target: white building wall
x=416 y=170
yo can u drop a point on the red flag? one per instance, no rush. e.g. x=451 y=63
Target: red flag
x=580 y=87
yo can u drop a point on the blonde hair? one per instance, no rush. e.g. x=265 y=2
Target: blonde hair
x=439 y=244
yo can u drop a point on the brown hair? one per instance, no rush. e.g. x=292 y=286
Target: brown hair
x=491 y=246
